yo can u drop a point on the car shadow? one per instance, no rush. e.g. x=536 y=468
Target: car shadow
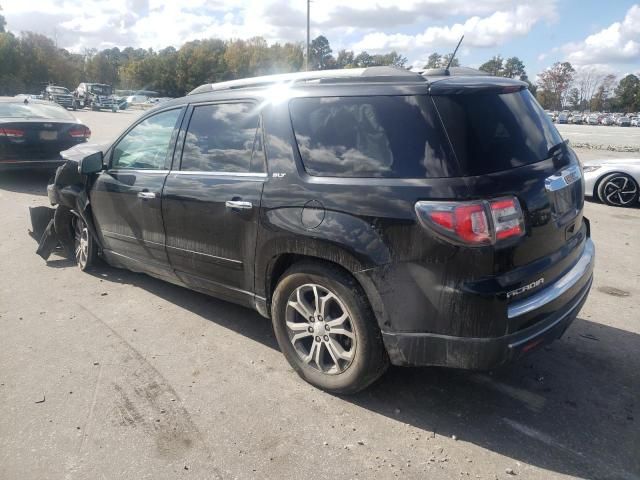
x=33 y=182
x=570 y=409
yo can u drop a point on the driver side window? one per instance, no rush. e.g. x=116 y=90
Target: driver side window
x=146 y=146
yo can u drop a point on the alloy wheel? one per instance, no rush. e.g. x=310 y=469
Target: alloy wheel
x=81 y=234
x=320 y=329
x=619 y=190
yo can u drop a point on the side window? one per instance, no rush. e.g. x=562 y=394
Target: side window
x=221 y=138
x=146 y=146
x=396 y=136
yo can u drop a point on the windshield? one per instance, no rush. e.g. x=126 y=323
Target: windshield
x=59 y=90
x=100 y=89
x=33 y=110
x=494 y=132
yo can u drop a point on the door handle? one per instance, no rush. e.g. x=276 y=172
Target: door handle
x=239 y=204
x=146 y=195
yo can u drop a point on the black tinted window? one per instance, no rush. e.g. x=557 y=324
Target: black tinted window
x=148 y=144
x=492 y=132
x=221 y=138
x=383 y=136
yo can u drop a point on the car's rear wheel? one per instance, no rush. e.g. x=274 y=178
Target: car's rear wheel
x=326 y=330
x=85 y=247
x=619 y=190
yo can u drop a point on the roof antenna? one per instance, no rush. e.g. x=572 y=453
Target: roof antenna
x=446 y=70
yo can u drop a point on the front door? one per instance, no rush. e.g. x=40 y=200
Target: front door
x=126 y=198
x=211 y=202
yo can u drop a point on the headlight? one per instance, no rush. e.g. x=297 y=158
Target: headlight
x=590 y=168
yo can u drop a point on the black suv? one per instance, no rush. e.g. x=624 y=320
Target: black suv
x=375 y=215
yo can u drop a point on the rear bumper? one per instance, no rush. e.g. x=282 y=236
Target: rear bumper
x=30 y=164
x=422 y=349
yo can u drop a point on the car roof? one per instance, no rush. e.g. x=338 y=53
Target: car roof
x=22 y=100
x=459 y=78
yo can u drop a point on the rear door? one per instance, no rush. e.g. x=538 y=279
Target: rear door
x=126 y=198
x=211 y=200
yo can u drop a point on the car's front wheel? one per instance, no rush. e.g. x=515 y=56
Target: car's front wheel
x=619 y=190
x=85 y=247
x=326 y=330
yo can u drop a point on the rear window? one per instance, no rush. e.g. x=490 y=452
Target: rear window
x=381 y=136
x=491 y=132
x=34 y=110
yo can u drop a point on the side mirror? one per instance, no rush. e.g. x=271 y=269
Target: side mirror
x=91 y=164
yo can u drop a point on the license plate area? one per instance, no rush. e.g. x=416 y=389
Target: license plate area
x=48 y=135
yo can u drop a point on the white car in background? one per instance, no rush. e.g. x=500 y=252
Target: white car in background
x=613 y=181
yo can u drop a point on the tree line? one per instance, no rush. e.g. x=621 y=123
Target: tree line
x=30 y=61
x=562 y=86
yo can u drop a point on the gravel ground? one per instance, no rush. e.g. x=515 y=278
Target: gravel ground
x=117 y=375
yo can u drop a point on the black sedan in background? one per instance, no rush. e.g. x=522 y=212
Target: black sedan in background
x=34 y=132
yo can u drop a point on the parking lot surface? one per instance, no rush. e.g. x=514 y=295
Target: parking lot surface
x=117 y=375
x=601 y=135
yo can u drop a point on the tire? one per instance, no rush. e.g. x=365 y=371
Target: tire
x=342 y=357
x=85 y=248
x=618 y=190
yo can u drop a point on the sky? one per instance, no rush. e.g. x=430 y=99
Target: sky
x=593 y=34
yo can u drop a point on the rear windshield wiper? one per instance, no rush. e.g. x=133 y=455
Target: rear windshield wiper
x=556 y=149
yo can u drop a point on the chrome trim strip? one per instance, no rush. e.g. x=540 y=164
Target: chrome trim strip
x=219 y=174
x=122 y=236
x=208 y=255
x=559 y=287
x=570 y=310
x=136 y=170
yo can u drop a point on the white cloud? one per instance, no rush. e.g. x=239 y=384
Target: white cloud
x=489 y=31
x=80 y=24
x=619 y=43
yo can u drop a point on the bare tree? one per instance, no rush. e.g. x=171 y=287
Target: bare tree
x=586 y=81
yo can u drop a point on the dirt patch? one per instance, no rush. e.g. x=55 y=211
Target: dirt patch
x=616 y=292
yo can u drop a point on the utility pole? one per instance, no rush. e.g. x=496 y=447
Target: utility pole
x=306 y=60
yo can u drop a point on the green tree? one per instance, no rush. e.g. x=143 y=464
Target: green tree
x=363 y=60
x=514 y=68
x=320 y=53
x=345 y=59
x=11 y=78
x=573 y=98
x=446 y=58
x=3 y=22
x=546 y=99
x=627 y=94
x=601 y=99
x=434 y=60
x=494 y=67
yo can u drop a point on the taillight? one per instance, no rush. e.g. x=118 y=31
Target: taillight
x=476 y=223
x=80 y=132
x=11 y=133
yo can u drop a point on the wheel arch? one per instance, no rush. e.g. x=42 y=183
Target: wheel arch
x=281 y=262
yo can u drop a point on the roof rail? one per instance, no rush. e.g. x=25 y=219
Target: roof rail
x=369 y=74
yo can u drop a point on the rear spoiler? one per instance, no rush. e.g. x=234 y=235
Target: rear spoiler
x=481 y=84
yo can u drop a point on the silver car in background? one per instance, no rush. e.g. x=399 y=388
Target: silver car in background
x=613 y=181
